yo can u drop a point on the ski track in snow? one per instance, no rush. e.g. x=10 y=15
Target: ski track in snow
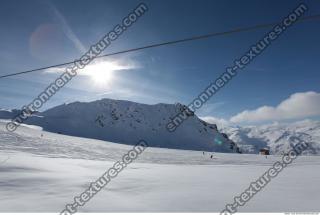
x=45 y=172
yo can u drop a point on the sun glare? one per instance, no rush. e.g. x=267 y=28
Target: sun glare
x=102 y=73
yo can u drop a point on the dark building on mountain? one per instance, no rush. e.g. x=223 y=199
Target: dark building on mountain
x=264 y=152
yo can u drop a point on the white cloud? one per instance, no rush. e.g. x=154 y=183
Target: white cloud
x=218 y=121
x=102 y=74
x=104 y=66
x=55 y=70
x=297 y=106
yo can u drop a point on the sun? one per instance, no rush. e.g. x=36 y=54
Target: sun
x=101 y=73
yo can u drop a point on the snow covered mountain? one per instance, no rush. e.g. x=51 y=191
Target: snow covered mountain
x=278 y=137
x=128 y=122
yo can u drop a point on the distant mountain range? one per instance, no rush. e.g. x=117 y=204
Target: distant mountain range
x=277 y=137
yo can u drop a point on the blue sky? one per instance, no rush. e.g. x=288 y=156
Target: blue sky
x=38 y=33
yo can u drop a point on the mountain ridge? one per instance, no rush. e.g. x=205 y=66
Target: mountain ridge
x=277 y=137
x=127 y=122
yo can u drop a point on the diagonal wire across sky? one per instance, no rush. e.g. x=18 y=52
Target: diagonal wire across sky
x=199 y=37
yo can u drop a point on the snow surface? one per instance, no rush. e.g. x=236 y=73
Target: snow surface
x=42 y=171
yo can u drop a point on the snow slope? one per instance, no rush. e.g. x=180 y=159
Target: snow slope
x=127 y=122
x=42 y=171
x=278 y=137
